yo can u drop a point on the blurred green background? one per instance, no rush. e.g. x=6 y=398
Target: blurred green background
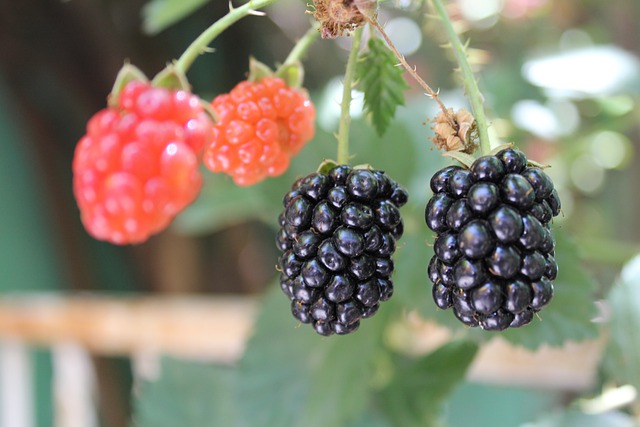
x=561 y=80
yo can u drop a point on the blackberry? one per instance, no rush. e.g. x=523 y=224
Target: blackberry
x=338 y=231
x=494 y=251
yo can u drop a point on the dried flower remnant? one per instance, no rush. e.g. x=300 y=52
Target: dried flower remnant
x=455 y=132
x=337 y=16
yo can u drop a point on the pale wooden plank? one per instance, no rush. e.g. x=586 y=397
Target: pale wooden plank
x=216 y=329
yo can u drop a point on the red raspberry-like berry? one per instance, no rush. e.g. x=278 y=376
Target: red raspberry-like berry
x=137 y=166
x=260 y=127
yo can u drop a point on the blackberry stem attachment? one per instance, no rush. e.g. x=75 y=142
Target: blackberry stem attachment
x=411 y=70
x=302 y=45
x=470 y=83
x=200 y=44
x=345 y=117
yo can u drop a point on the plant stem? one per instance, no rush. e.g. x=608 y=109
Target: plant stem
x=199 y=45
x=470 y=83
x=302 y=45
x=433 y=94
x=345 y=118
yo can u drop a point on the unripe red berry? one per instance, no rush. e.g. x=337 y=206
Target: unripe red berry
x=136 y=167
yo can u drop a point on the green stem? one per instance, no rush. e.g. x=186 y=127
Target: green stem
x=345 y=118
x=302 y=45
x=199 y=45
x=470 y=83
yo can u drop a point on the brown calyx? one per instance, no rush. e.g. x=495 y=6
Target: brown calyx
x=455 y=131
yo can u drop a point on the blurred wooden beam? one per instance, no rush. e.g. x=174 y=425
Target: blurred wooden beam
x=194 y=327
x=216 y=329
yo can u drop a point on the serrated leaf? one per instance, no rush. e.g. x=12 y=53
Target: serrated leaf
x=291 y=376
x=158 y=15
x=418 y=389
x=187 y=394
x=569 y=315
x=622 y=354
x=381 y=82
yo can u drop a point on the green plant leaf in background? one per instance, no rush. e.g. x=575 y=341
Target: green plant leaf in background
x=160 y=14
x=188 y=394
x=290 y=376
x=414 y=396
x=381 y=82
x=622 y=357
x=575 y=418
x=569 y=316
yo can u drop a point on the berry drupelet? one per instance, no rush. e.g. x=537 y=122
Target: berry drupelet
x=338 y=233
x=136 y=168
x=260 y=126
x=494 y=251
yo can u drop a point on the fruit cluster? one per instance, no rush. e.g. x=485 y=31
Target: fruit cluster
x=260 y=126
x=338 y=233
x=494 y=250
x=137 y=165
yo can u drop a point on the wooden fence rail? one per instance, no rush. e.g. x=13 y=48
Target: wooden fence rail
x=216 y=329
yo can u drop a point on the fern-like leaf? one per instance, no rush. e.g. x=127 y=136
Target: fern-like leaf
x=382 y=83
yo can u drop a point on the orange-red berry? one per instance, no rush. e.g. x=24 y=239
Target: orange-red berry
x=136 y=167
x=260 y=127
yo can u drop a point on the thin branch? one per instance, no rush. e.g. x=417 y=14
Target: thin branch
x=411 y=70
x=345 y=116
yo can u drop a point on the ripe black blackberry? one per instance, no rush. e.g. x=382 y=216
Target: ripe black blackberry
x=494 y=251
x=338 y=233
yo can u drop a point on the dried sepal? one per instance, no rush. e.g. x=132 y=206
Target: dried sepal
x=455 y=131
x=337 y=16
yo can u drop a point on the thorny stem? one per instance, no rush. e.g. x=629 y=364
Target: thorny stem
x=345 y=118
x=433 y=94
x=199 y=45
x=470 y=83
x=302 y=45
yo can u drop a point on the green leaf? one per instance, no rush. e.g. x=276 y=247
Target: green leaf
x=291 y=376
x=222 y=204
x=188 y=394
x=622 y=354
x=575 y=418
x=418 y=389
x=475 y=404
x=371 y=418
x=382 y=83
x=157 y=15
x=569 y=315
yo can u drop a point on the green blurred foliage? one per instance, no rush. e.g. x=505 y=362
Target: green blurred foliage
x=290 y=376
